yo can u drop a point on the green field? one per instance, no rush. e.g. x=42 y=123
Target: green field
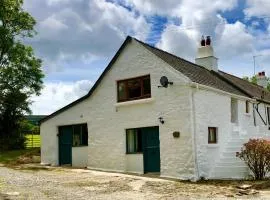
x=32 y=141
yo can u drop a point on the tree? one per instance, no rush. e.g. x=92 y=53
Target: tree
x=256 y=154
x=20 y=71
x=253 y=80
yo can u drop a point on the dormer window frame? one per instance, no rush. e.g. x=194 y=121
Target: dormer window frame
x=141 y=88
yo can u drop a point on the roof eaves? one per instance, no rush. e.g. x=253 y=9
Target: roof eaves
x=233 y=84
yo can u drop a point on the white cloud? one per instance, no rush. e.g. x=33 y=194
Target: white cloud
x=74 y=30
x=179 y=42
x=257 y=8
x=234 y=41
x=181 y=8
x=183 y=39
x=57 y=95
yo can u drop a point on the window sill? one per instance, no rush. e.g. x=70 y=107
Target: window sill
x=212 y=145
x=134 y=102
x=80 y=146
x=135 y=153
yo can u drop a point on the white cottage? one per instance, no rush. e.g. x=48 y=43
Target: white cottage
x=187 y=126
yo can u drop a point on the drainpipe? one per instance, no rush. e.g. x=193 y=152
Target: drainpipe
x=193 y=119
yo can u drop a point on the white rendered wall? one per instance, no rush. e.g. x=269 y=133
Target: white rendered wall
x=134 y=163
x=211 y=110
x=79 y=156
x=108 y=120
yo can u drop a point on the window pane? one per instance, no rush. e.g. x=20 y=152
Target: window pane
x=84 y=135
x=130 y=141
x=139 y=140
x=146 y=86
x=134 y=88
x=212 y=135
x=134 y=141
x=76 y=135
x=121 y=91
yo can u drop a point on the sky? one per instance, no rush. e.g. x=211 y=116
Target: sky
x=77 y=38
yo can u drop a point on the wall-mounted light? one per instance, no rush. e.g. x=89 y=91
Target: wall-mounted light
x=161 y=120
x=176 y=134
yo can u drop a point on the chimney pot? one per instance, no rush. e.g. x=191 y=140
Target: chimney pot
x=202 y=41
x=205 y=55
x=262 y=80
x=208 y=40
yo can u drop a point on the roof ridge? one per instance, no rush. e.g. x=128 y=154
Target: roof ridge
x=253 y=84
x=171 y=54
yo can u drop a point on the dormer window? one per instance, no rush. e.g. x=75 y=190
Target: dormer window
x=133 y=89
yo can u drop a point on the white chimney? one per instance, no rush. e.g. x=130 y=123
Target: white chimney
x=262 y=79
x=205 y=55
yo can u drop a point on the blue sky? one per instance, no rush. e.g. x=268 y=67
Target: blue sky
x=77 y=38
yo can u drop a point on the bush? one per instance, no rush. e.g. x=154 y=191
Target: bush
x=256 y=154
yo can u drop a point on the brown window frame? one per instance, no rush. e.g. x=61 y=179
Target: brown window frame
x=247 y=107
x=216 y=135
x=125 y=81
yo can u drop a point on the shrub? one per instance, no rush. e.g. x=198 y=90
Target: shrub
x=256 y=154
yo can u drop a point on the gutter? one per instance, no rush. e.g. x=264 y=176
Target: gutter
x=204 y=87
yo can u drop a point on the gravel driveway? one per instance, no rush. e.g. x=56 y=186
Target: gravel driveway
x=76 y=184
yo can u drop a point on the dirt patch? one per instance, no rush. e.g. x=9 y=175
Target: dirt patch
x=64 y=183
x=103 y=187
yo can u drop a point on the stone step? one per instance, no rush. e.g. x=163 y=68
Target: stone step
x=230 y=169
x=232 y=148
x=231 y=164
x=228 y=154
x=229 y=159
x=238 y=142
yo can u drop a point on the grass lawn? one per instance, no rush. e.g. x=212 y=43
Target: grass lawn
x=14 y=156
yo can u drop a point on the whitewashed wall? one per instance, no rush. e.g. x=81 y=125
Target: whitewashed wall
x=211 y=110
x=214 y=110
x=79 y=156
x=107 y=119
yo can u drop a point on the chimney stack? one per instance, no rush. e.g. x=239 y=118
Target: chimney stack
x=262 y=79
x=205 y=55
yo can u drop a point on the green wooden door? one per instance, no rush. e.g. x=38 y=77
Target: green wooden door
x=151 y=151
x=65 y=145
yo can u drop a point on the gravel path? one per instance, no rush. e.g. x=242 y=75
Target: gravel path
x=76 y=184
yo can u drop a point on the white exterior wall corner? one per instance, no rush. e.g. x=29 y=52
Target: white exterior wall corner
x=214 y=110
x=107 y=122
x=211 y=110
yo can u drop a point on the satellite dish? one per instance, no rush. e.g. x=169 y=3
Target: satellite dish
x=164 y=81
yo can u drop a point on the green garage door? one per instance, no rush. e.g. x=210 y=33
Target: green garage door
x=151 y=151
x=65 y=145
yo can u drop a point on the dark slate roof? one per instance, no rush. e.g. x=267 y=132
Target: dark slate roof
x=251 y=89
x=195 y=73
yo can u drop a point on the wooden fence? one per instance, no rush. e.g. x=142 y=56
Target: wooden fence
x=32 y=141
